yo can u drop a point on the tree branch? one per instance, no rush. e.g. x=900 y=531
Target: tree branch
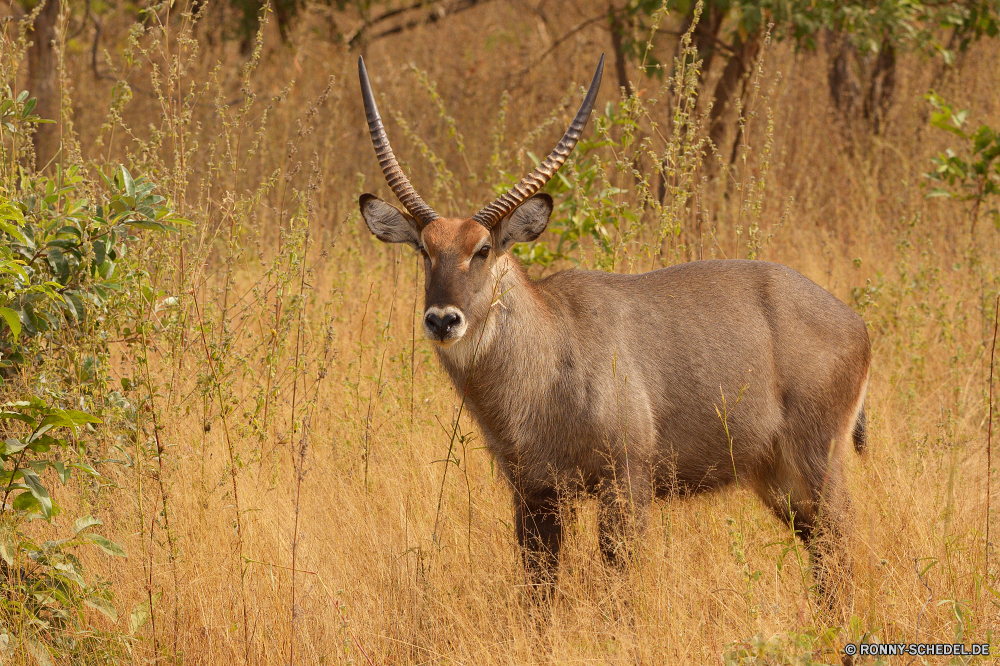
x=572 y=31
x=434 y=17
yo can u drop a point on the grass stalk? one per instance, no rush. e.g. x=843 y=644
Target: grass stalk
x=217 y=385
x=989 y=433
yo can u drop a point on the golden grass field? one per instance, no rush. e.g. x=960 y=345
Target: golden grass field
x=301 y=509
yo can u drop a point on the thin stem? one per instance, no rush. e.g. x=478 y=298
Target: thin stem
x=232 y=469
x=297 y=465
x=989 y=433
x=159 y=478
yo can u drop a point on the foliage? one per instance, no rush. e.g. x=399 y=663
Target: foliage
x=22 y=455
x=804 y=648
x=16 y=112
x=62 y=265
x=973 y=173
x=45 y=591
x=68 y=285
x=585 y=207
x=911 y=25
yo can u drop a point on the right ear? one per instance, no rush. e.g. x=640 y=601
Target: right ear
x=388 y=223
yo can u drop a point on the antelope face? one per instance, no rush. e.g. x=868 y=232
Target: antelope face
x=464 y=258
x=461 y=257
x=457 y=256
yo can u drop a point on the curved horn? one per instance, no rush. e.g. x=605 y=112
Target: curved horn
x=534 y=181
x=398 y=183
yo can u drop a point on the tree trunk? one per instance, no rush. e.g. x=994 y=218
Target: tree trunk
x=845 y=88
x=706 y=34
x=43 y=81
x=861 y=87
x=732 y=83
x=617 y=32
x=883 y=84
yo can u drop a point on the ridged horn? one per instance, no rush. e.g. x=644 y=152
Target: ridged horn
x=398 y=183
x=534 y=181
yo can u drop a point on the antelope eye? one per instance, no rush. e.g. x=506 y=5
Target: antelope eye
x=484 y=251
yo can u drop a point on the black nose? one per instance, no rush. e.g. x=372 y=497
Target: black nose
x=440 y=325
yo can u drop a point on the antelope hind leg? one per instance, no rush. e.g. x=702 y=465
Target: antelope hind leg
x=817 y=506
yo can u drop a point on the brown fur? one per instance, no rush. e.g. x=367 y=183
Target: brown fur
x=629 y=387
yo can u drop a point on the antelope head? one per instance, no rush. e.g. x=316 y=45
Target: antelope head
x=463 y=257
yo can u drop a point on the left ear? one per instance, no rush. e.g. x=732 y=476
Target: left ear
x=526 y=223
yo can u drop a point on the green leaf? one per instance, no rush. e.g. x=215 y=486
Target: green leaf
x=86 y=469
x=104 y=606
x=39 y=492
x=19 y=417
x=78 y=418
x=13 y=321
x=5 y=552
x=39 y=652
x=62 y=470
x=12 y=445
x=140 y=615
x=58 y=262
x=26 y=502
x=105 y=544
x=75 y=305
x=39 y=446
x=13 y=231
x=128 y=182
x=80 y=524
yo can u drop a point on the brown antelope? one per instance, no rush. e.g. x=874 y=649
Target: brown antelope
x=628 y=387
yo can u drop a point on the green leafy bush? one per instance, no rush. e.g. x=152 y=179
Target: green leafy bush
x=70 y=284
x=973 y=172
x=45 y=592
x=62 y=263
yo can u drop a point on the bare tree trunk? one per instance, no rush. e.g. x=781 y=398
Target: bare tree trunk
x=732 y=83
x=845 y=87
x=706 y=34
x=43 y=81
x=883 y=84
x=617 y=32
x=705 y=39
x=860 y=86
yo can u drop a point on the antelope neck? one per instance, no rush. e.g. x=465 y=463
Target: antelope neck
x=518 y=330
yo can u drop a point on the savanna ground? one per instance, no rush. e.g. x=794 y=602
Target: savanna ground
x=285 y=470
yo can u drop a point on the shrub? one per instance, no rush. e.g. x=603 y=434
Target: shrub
x=68 y=287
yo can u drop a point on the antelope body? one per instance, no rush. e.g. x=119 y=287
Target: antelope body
x=629 y=387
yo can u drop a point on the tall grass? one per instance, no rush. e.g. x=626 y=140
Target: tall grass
x=286 y=493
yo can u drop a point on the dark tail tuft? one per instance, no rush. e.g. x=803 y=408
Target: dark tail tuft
x=860 y=433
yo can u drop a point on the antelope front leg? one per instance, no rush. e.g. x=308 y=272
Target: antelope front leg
x=621 y=517
x=539 y=532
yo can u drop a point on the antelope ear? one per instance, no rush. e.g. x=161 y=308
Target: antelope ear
x=526 y=223
x=388 y=223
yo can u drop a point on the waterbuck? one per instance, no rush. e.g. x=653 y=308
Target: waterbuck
x=627 y=387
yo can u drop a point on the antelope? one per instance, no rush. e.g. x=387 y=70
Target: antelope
x=631 y=387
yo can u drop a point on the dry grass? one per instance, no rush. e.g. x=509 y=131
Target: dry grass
x=286 y=396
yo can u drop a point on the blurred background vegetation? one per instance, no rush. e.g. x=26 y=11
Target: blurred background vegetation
x=224 y=440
